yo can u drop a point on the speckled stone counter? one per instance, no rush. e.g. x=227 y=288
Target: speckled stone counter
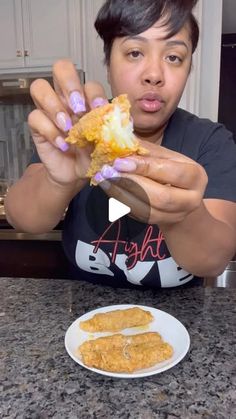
x=39 y=380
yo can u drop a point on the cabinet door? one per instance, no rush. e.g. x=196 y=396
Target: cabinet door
x=49 y=31
x=11 y=36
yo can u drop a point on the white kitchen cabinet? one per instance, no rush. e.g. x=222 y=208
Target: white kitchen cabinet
x=11 y=34
x=36 y=33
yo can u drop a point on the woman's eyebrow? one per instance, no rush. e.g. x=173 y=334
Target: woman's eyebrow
x=169 y=43
x=172 y=43
x=135 y=37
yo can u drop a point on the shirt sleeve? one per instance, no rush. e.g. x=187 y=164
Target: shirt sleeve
x=218 y=157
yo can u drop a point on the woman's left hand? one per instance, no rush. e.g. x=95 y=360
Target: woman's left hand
x=164 y=184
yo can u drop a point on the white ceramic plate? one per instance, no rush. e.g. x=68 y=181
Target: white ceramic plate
x=171 y=329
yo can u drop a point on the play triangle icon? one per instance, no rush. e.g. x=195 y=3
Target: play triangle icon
x=117 y=209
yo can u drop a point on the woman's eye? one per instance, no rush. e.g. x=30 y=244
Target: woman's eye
x=174 y=59
x=134 y=54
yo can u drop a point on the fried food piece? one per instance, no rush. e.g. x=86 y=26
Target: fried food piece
x=116 y=320
x=119 y=340
x=120 y=353
x=110 y=129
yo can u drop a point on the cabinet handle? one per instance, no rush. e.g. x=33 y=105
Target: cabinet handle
x=19 y=53
x=26 y=53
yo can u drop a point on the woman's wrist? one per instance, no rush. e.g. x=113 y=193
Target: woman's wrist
x=67 y=189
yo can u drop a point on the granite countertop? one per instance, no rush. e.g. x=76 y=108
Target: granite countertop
x=40 y=380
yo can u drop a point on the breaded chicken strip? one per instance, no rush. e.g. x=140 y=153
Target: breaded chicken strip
x=116 y=320
x=137 y=352
x=110 y=129
x=106 y=343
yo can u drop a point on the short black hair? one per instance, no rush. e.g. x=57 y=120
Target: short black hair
x=118 y=18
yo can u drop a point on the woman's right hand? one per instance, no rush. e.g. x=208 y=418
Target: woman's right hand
x=57 y=110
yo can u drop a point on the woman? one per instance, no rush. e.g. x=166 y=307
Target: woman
x=188 y=177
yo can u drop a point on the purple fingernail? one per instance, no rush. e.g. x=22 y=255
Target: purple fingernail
x=98 y=101
x=98 y=177
x=104 y=184
x=61 y=144
x=77 y=102
x=63 y=121
x=108 y=172
x=126 y=165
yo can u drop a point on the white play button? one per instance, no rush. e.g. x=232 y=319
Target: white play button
x=104 y=212
x=117 y=209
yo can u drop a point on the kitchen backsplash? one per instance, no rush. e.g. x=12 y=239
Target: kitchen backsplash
x=16 y=146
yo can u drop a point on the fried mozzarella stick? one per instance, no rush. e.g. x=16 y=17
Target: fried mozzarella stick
x=116 y=320
x=137 y=352
x=110 y=129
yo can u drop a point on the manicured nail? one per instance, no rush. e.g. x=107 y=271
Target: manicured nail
x=98 y=101
x=77 y=102
x=126 y=165
x=63 y=121
x=98 y=177
x=61 y=144
x=108 y=172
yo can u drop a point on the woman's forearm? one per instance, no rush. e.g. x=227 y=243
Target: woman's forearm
x=35 y=203
x=201 y=244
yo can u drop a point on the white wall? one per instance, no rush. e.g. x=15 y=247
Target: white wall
x=210 y=59
x=93 y=45
x=201 y=95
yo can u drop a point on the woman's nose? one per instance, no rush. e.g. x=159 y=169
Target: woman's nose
x=153 y=74
x=152 y=81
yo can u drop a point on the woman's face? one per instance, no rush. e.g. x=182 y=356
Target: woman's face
x=153 y=72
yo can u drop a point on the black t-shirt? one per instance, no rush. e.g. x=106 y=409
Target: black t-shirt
x=129 y=253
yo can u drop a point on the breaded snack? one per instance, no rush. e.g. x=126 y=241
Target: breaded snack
x=116 y=320
x=120 y=353
x=119 y=340
x=110 y=129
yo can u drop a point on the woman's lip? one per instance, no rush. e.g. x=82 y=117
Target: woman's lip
x=150 y=105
